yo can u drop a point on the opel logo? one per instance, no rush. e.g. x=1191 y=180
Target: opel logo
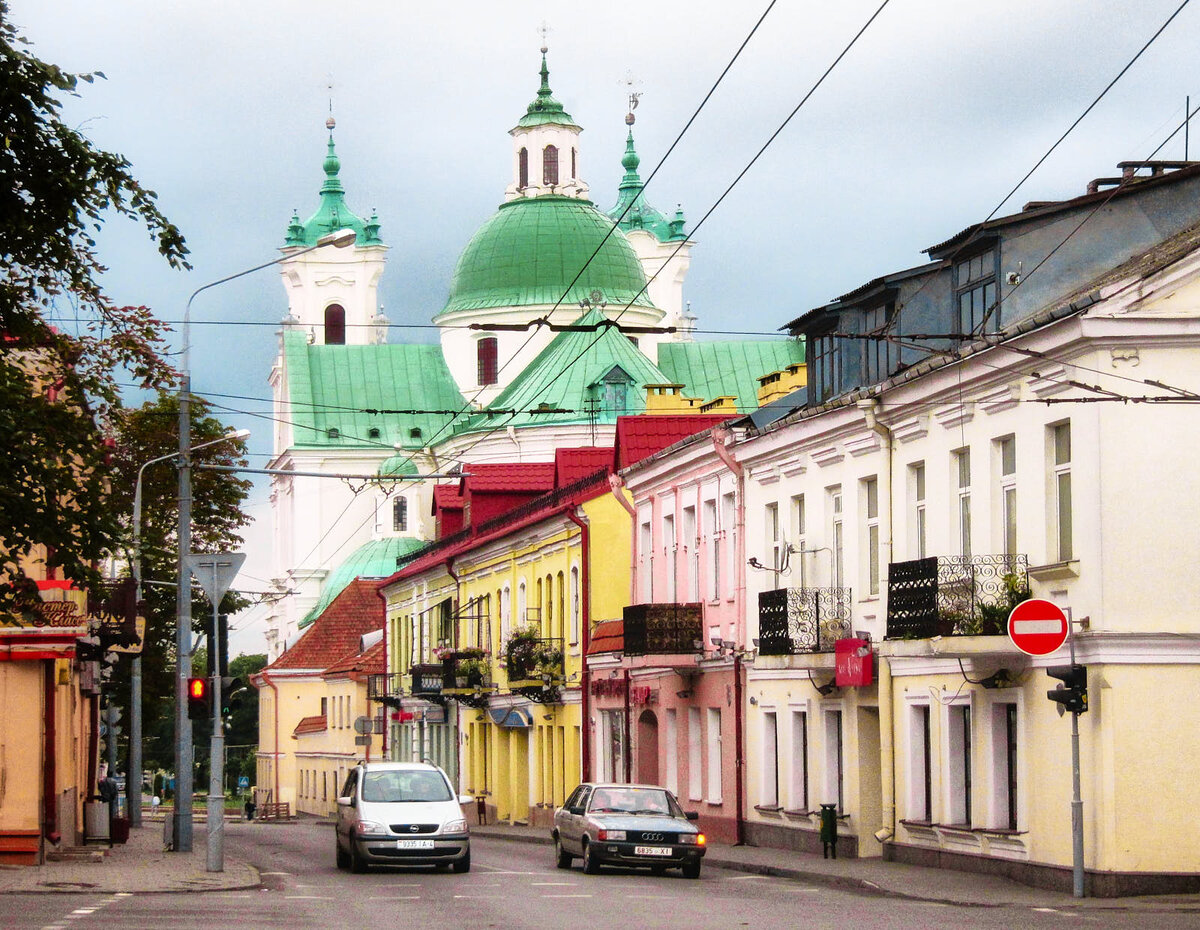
x=653 y=837
x=414 y=828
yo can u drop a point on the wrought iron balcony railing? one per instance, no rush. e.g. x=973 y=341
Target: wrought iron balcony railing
x=427 y=680
x=796 y=620
x=954 y=595
x=386 y=689
x=530 y=658
x=663 y=629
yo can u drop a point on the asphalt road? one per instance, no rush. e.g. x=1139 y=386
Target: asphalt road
x=512 y=885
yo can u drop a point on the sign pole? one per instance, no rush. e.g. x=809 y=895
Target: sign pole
x=216 y=753
x=1076 y=795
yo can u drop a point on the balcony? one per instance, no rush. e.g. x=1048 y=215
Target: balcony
x=533 y=660
x=663 y=629
x=386 y=689
x=798 y=620
x=427 y=680
x=955 y=595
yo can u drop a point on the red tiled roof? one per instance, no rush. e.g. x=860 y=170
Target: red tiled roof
x=640 y=437
x=447 y=497
x=571 y=465
x=607 y=636
x=315 y=724
x=371 y=662
x=336 y=632
x=510 y=476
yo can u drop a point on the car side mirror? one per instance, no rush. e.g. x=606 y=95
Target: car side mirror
x=345 y=802
x=465 y=799
x=692 y=815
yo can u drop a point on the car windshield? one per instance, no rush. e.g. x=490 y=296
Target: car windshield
x=633 y=801
x=404 y=786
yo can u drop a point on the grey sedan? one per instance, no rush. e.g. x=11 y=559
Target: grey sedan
x=628 y=825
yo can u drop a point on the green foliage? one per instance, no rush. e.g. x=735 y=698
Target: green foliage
x=56 y=190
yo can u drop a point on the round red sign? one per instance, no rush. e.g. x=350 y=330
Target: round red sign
x=1037 y=627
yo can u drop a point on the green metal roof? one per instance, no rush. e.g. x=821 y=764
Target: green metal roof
x=716 y=369
x=638 y=214
x=333 y=213
x=330 y=387
x=531 y=249
x=375 y=559
x=399 y=464
x=544 y=108
x=570 y=371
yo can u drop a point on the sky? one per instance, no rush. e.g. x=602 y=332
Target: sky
x=922 y=129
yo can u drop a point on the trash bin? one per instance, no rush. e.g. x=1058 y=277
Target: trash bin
x=120 y=829
x=96 y=822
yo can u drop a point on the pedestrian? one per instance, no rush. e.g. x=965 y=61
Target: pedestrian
x=250 y=807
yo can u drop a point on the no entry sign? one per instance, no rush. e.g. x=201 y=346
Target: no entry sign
x=1037 y=627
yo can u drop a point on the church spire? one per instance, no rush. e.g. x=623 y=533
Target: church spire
x=333 y=213
x=632 y=210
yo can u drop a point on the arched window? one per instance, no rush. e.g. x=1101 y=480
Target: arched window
x=486 y=357
x=574 y=169
x=522 y=603
x=335 y=325
x=400 y=514
x=523 y=168
x=550 y=166
x=575 y=604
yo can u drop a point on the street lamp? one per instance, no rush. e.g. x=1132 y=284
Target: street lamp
x=184 y=775
x=133 y=789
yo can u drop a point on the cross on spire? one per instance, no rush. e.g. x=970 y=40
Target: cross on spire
x=630 y=82
x=544 y=31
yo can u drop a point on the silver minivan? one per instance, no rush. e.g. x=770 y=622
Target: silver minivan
x=401 y=813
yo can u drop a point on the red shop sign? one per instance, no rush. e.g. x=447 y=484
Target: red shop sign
x=854 y=660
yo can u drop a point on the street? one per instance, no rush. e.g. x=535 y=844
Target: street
x=512 y=884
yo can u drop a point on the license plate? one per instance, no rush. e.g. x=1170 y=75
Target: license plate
x=414 y=844
x=651 y=851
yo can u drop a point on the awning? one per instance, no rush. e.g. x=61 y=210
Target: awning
x=512 y=718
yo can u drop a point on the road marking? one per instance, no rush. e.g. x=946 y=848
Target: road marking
x=400 y=897
x=566 y=884
x=568 y=896
x=309 y=897
x=652 y=897
x=274 y=873
x=486 y=897
x=748 y=878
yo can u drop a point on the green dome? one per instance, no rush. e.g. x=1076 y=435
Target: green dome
x=374 y=559
x=399 y=464
x=532 y=248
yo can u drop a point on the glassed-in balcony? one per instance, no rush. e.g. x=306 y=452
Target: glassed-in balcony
x=798 y=620
x=955 y=595
x=663 y=629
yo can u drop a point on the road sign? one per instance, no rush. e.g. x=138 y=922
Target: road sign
x=363 y=725
x=1037 y=627
x=243 y=781
x=215 y=572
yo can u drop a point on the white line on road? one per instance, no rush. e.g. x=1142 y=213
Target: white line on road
x=568 y=896
x=566 y=884
x=309 y=897
x=399 y=897
x=274 y=873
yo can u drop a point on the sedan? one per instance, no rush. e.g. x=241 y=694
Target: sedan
x=629 y=825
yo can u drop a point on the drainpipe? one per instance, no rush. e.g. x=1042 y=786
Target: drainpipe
x=387 y=723
x=266 y=677
x=579 y=518
x=458 y=742
x=720 y=436
x=887 y=755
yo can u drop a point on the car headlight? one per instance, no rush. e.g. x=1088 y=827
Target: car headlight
x=455 y=826
x=363 y=827
x=612 y=834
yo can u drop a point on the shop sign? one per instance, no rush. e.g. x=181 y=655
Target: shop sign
x=854 y=663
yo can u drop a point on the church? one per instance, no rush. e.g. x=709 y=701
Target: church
x=559 y=318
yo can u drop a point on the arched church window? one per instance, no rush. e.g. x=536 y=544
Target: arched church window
x=400 y=514
x=486 y=358
x=574 y=170
x=335 y=325
x=550 y=166
x=523 y=168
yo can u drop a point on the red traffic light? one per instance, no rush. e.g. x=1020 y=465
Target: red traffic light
x=197 y=688
x=198 y=698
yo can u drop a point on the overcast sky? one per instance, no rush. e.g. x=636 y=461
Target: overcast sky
x=931 y=119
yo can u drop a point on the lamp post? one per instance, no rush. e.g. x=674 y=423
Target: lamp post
x=133 y=778
x=183 y=601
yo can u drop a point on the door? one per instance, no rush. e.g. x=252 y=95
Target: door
x=647 y=748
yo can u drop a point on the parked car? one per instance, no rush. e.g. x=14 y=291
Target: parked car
x=638 y=825
x=401 y=813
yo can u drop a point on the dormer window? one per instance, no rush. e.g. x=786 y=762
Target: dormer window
x=414 y=433
x=373 y=432
x=523 y=168
x=826 y=365
x=335 y=325
x=486 y=355
x=881 y=356
x=975 y=289
x=613 y=390
x=550 y=166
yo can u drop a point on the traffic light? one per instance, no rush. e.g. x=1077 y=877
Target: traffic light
x=198 y=699
x=1072 y=693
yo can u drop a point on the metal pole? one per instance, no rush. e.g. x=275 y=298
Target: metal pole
x=183 y=618
x=216 y=754
x=1076 y=795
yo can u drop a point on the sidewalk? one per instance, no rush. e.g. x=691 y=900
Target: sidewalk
x=874 y=876
x=137 y=866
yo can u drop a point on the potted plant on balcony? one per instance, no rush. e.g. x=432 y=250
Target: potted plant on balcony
x=471 y=670
x=547 y=660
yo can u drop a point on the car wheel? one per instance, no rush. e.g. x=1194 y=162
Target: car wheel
x=591 y=864
x=562 y=858
x=691 y=870
x=343 y=858
x=463 y=864
x=357 y=862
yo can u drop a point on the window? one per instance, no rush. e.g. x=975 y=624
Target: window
x=560 y=591
x=574 y=161
x=798 y=544
x=335 y=325
x=770 y=760
x=799 y=794
x=836 y=536
x=1006 y=454
x=645 y=564
x=400 y=514
x=691 y=546
x=713 y=740
x=773 y=541
x=870 y=490
x=1061 y=522
x=486 y=361
x=549 y=166
x=505 y=612
x=962 y=473
x=729 y=537
x=668 y=539
x=575 y=605
x=672 y=781
x=920 y=770
x=959 y=745
x=835 y=776
x=880 y=355
x=521 y=602
x=714 y=552
x=695 y=741
x=523 y=168
x=1003 y=726
x=975 y=287
x=615 y=396
x=916 y=495
x=826 y=366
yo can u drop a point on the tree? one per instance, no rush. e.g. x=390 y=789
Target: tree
x=149 y=432
x=56 y=189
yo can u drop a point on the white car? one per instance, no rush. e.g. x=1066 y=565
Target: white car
x=401 y=813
